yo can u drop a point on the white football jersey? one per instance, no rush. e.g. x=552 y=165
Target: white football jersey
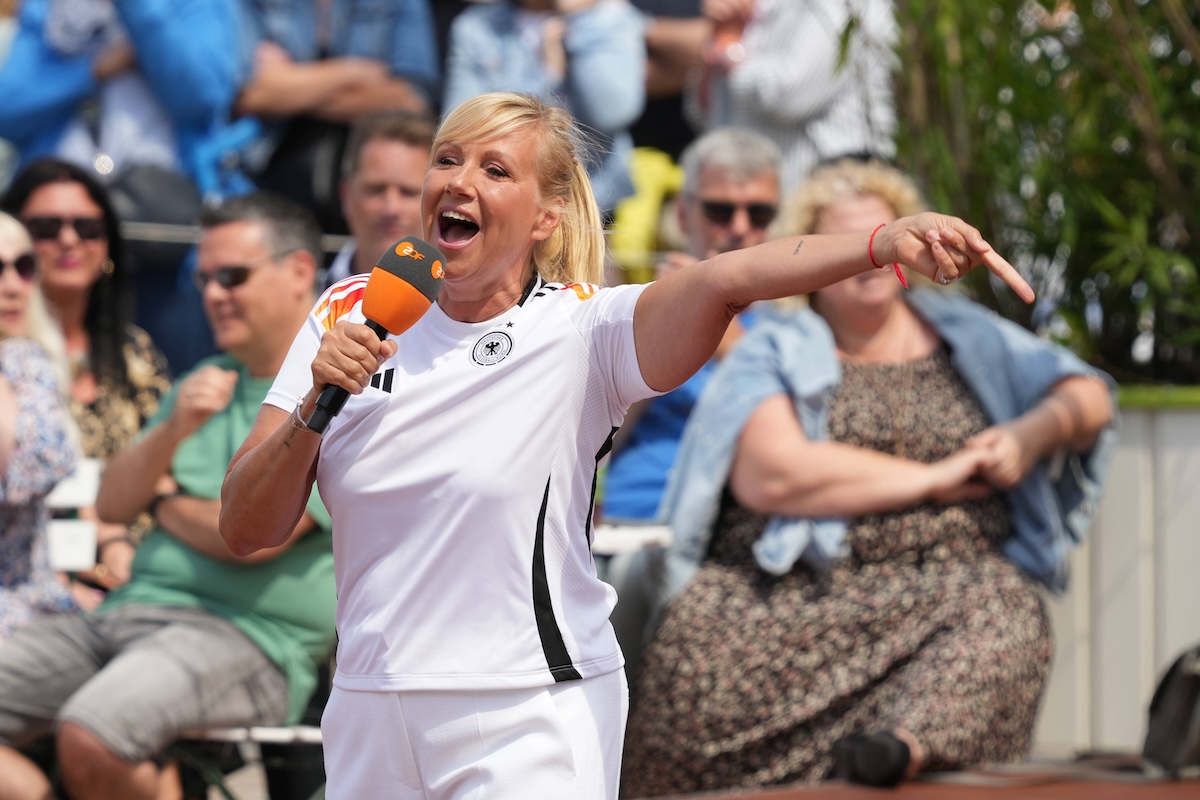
x=461 y=485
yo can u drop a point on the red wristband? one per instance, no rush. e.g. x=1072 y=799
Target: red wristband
x=876 y=264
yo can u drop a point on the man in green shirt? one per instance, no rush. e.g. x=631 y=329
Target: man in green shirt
x=198 y=637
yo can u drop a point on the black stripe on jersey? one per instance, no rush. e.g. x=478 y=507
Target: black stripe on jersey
x=386 y=377
x=605 y=449
x=534 y=282
x=557 y=657
x=547 y=288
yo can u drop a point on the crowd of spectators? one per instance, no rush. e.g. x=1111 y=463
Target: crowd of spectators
x=704 y=117
x=171 y=105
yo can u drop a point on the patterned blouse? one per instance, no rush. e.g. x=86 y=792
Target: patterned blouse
x=43 y=455
x=110 y=422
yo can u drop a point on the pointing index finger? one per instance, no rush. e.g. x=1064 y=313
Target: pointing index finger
x=1007 y=273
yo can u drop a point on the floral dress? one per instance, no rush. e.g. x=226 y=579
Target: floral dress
x=925 y=625
x=43 y=455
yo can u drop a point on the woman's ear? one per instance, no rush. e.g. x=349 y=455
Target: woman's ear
x=548 y=219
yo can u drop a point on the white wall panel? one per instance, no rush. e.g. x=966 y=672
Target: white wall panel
x=1134 y=599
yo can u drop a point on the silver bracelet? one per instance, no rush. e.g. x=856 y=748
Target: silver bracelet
x=299 y=424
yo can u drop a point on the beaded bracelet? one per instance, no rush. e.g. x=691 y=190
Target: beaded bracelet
x=876 y=264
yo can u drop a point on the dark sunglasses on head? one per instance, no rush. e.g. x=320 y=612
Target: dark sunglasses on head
x=721 y=213
x=49 y=228
x=25 y=265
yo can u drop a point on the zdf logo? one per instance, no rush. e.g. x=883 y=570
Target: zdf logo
x=407 y=250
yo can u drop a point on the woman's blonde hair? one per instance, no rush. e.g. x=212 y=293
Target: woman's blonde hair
x=838 y=180
x=12 y=229
x=847 y=178
x=39 y=325
x=574 y=252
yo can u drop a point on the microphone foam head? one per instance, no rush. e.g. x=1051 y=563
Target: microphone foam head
x=403 y=285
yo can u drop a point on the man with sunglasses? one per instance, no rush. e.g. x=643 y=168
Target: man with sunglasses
x=730 y=196
x=197 y=637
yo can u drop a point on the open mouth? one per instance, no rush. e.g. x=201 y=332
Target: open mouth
x=456 y=228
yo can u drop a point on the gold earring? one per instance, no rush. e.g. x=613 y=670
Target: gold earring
x=108 y=268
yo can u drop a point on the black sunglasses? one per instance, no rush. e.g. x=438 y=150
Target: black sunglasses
x=721 y=213
x=232 y=276
x=49 y=228
x=25 y=264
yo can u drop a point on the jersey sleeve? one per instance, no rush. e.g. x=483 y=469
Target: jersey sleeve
x=342 y=300
x=605 y=318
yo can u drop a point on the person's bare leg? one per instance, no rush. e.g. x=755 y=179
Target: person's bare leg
x=91 y=772
x=916 y=752
x=20 y=778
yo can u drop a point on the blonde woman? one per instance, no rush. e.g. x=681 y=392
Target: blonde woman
x=36 y=447
x=863 y=505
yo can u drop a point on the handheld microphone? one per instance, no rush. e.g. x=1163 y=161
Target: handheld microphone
x=399 y=291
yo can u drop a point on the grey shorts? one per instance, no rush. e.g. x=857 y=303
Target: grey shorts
x=136 y=677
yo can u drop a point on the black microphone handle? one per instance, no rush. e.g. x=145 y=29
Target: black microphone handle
x=332 y=398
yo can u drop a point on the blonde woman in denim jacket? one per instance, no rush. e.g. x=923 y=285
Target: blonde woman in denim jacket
x=866 y=499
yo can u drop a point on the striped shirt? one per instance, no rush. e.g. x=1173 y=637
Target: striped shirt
x=793 y=86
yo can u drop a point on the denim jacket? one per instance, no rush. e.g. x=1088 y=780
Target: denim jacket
x=1007 y=368
x=604 y=87
x=184 y=53
x=399 y=33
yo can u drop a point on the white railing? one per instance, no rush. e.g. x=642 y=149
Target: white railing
x=1134 y=599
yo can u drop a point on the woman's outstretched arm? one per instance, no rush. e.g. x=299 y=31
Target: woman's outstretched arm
x=680 y=319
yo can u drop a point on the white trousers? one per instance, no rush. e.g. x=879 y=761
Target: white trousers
x=552 y=742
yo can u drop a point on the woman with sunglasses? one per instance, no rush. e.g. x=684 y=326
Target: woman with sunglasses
x=36 y=447
x=118 y=375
